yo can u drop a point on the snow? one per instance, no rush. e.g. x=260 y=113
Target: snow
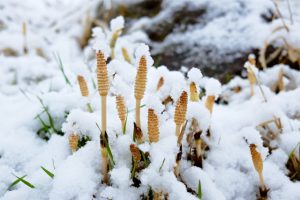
x=101 y=43
x=195 y=75
x=117 y=24
x=143 y=50
x=227 y=172
x=213 y=87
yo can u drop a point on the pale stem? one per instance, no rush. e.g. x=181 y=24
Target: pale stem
x=103 y=114
x=137 y=113
x=261 y=181
x=178 y=127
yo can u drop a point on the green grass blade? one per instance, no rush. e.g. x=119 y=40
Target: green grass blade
x=25 y=182
x=294 y=149
x=47 y=172
x=133 y=170
x=90 y=109
x=199 y=190
x=50 y=118
x=110 y=156
x=144 y=158
x=15 y=183
x=61 y=67
x=162 y=164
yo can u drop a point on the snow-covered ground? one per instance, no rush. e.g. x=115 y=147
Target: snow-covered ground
x=41 y=106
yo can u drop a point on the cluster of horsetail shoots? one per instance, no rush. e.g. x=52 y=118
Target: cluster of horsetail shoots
x=103 y=87
x=84 y=90
x=121 y=107
x=139 y=88
x=153 y=129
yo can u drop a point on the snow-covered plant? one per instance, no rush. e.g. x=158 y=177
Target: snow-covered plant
x=153 y=130
x=73 y=142
x=258 y=165
x=194 y=76
x=103 y=86
x=213 y=89
x=252 y=71
x=293 y=163
x=180 y=112
x=116 y=26
x=84 y=90
x=179 y=119
x=139 y=88
x=121 y=107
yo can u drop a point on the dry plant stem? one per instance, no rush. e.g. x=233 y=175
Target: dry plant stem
x=280 y=16
x=290 y=11
x=198 y=147
x=281 y=81
x=125 y=55
x=209 y=104
x=113 y=41
x=138 y=134
x=104 y=167
x=24 y=32
x=252 y=80
x=160 y=83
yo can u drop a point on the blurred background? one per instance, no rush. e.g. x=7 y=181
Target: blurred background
x=214 y=35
